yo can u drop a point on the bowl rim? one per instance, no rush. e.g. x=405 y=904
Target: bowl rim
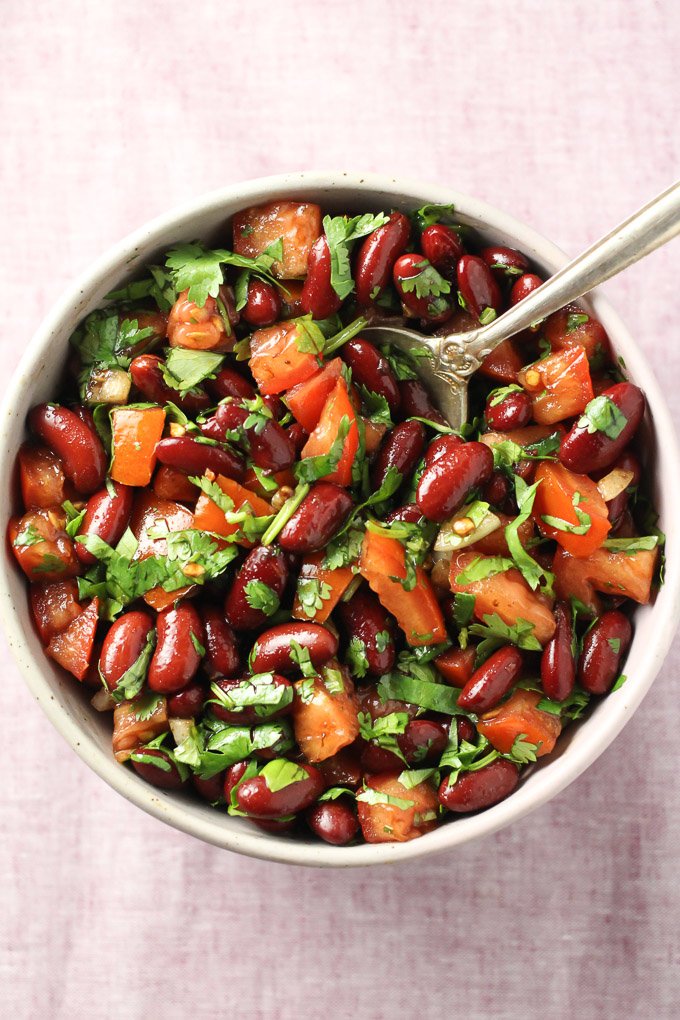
x=196 y=821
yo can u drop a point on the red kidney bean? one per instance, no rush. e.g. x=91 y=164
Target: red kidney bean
x=410 y=512
x=376 y=257
x=402 y=449
x=221 y=647
x=166 y=777
x=211 y=789
x=489 y=684
x=318 y=296
x=298 y=436
x=263 y=306
x=275 y=405
x=513 y=412
x=333 y=821
x=409 y=267
x=123 y=644
x=342 y=769
x=497 y=489
x=176 y=659
x=444 y=484
x=423 y=741
x=370 y=368
x=443 y=248
x=267 y=565
x=275 y=825
x=147 y=376
x=270 y=449
x=232 y=777
x=187 y=704
x=248 y=715
x=504 y=261
x=322 y=512
x=106 y=517
x=616 y=507
x=478 y=285
x=416 y=403
x=583 y=451
x=254 y=797
x=439 y=447
x=473 y=791
x=465 y=730
x=558 y=667
x=603 y=649
x=77 y=444
x=196 y=458
x=369 y=700
x=230 y=383
x=523 y=287
x=364 y=619
x=378 y=759
x=272 y=650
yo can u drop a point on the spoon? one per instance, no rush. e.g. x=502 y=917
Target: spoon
x=453 y=358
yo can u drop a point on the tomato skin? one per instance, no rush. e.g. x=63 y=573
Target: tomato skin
x=503 y=364
x=306 y=400
x=563 y=386
x=198 y=327
x=297 y=223
x=51 y=554
x=41 y=475
x=337 y=406
x=209 y=517
x=324 y=723
x=613 y=573
x=390 y=823
x=562 y=332
x=276 y=361
x=337 y=580
x=72 y=648
x=136 y=432
x=519 y=715
x=54 y=607
x=554 y=497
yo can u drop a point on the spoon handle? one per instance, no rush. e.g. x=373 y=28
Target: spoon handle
x=651 y=226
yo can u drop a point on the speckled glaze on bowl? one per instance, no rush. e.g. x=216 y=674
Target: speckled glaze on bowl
x=67 y=705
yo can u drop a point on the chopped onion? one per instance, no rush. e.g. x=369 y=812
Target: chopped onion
x=103 y=701
x=108 y=386
x=448 y=540
x=614 y=483
x=180 y=729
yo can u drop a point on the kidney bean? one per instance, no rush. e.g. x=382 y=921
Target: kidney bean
x=165 y=776
x=318 y=296
x=41 y=477
x=444 y=484
x=378 y=759
x=473 y=791
x=123 y=644
x=616 y=507
x=77 y=444
x=504 y=261
x=443 y=248
x=513 y=412
x=221 y=648
x=275 y=825
x=176 y=659
x=271 y=449
x=410 y=513
x=333 y=821
x=275 y=405
x=489 y=684
x=423 y=741
x=439 y=447
x=263 y=306
x=431 y=308
x=196 y=458
x=583 y=451
x=497 y=489
x=401 y=449
x=416 y=403
x=367 y=623
x=342 y=768
x=322 y=512
x=254 y=797
x=267 y=565
x=465 y=730
x=523 y=287
x=106 y=517
x=271 y=651
x=376 y=257
x=298 y=436
x=188 y=703
x=369 y=700
x=211 y=789
x=478 y=285
x=603 y=649
x=248 y=715
x=370 y=368
x=558 y=668
x=147 y=375
x=232 y=777
x=230 y=383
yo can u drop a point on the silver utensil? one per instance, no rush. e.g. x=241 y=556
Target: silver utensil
x=453 y=358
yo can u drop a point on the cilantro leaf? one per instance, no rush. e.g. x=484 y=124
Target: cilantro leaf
x=426 y=694
x=302 y=658
x=198 y=270
x=376 y=406
x=370 y=796
x=75 y=518
x=384 y=730
x=336 y=791
x=311 y=469
x=344 y=549
x=495 y=632
x=432 y=213
x=341 y=232
x=227 y=744
x=280 y=773
x=157 y=286
x=631 y=545
x=532 y=572
x=356 y=657
x=522 y=751
x=27 y=536
x=184 y=370
x=312 y=594
x=427 y=283
x=482 y=567
x=132 y=680
x=575 y=320
x=260 y=596
x=258 y=692
x=584 y=519
x=602 y=415
x=107 y=342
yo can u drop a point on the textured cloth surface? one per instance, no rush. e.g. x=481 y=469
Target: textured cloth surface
x=565 y=114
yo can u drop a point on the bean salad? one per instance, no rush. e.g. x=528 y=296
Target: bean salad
x=299 y=594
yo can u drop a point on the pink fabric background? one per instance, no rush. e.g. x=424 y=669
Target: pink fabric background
x=565 y=114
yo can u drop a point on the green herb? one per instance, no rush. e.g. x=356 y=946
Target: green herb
x=383 y=639
x=103 y=340
x=258 y=692
x=311 y=469
x=495 y=632
x=344 y=549
x=584 y=519
x=370 y=796
x=619 y=682
x=198 y=647
x=615 y=644
x=341 y=232
x=75 y=517
x=497 y=396
x=507 y=453
x=199 y=271
x=356 y=657
x=184 y=369
x=260 y=596
x=147 y=706
x=336 y=791
x=427 y=283
x=463 y=608
x=376 y=406
x=49 y=564
x=487 y=315
x=482 y=567
x=631 y=545
x=430 y=696
x=602 y=415
x=414 y=777
x=522 y=751
x=27 y=536
x=416 y=540
x=306 y=689
x=308 y=339
x=333 y=680
x=575 y=320
x=280 y=773
x=532 y=572
x=430 y=213
x=158 y=287
x=285 y=513
x=348 y=332
x=301 y=657
x=312 y=594
x=465 y=756
x=132 y=680
x=189 y=750
x=571 y=708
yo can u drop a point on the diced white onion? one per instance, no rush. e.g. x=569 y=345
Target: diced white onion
x=614 y=483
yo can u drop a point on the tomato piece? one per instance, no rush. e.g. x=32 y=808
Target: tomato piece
x=415 y=812
x=54 y=607
x=519 y=716
x=495 y=544
x=506 y=594
x=556 y=496
x=209 y=517
x=136 y=432
x=297 y=224
x=42 y=548
x=560 y=385
x=153 y=513
x=129 y=730
x=324 y=722
x=170 y=483
x=307 y=399
x=503 y=363
x=333 y=582
x=607 y=571
x=200 y=327
x=456 y=665
x=337 y=406
x=374 y=434
x=72 y=649
x=276 y=361
x=417 y=612
x=41 y=476
x=564 y=330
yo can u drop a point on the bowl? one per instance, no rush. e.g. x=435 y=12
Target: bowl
x=67 y=705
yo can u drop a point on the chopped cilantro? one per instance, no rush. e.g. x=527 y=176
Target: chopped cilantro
x=602 y=415
x=341 y=232
x=184 y=369
x=280 y=773
x=532 y=572
x=132 y=680
x=199 y=271
x=356 y=657
x=312 y=594
x=575 y=320
x=482 y=567
x=260 y=596
x=311 y=469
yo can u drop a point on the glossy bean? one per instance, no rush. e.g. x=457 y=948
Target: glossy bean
x=106 y=516
x=504 y=261
x=165 y=775
x=478 y=285
x=211 y=790
x=523 y=287
x=583 y=451
x=473 y=791
x=416 y=402
x=465 y=730
x=512 y=412
x=298 y=436
x=322 y=512
x=333 y=821
x=263 y=305
x=423 y=741
x=188 y=703
x=558 y=667
x=401 y=450
x=176 y=658
x=263 y=565
x=342 y=768
x=229 y=709
x=272 y=650
x=377 y=256
x=489 y=684
x=497 y=489
x=194 y=458
x=254 y=797
x=410 y=512
x=432 y=308
x=123 y=644
x=370 y=368
x=230 y=383
x=221 y=647
x=232 y=777
x=439 y=447
x=78 y=445
x=318 y=296
x=444 y=485
x=443 y=248
x=617 y=506
x=371 y=628
x=603 y=649
x=379 y=759
x=270 y=446
x=147 y=376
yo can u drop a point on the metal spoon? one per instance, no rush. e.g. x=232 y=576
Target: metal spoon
x=454 y=358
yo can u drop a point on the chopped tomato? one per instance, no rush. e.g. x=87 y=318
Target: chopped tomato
x=307 y=399
x=560 y=386
x=519 y=716
x=209 y=517
x=129 y=730
x=417 y=612
x=297 y=224
x=564 y=495
x=333 y=584
x=337 y=406
x=41 y=474
x=456 y=665
x=495 y=543
x=407 y=812
x=324 y=721
x=503 y=363
x=170 y=483
x=72 y=649
x=200 y=327
x=607 y=571
x=42 y=548
x=152 y=513
x=136 y=432
x=506 y=594
x=54 y=607
x=565 y=329
x=276 y=360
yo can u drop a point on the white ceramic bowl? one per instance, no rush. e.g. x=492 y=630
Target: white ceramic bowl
x=89 y=733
